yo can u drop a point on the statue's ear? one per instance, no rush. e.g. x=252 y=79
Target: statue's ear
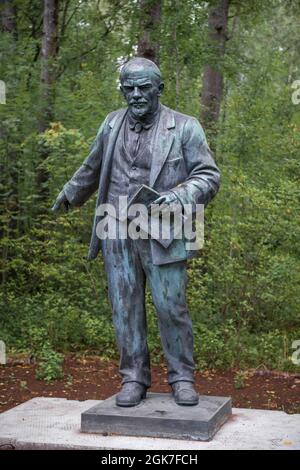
x=161 y=88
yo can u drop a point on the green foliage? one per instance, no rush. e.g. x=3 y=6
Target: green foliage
x=239 y=380
x=244 y=289
x=49 y=365
x=49 y=362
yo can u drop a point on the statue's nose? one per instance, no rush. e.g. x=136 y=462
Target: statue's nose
x=136 y=92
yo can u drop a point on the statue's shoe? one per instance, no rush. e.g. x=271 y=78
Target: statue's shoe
x=131 y=394
x=184 y=393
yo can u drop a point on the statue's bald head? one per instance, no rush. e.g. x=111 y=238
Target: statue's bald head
x=140 y=67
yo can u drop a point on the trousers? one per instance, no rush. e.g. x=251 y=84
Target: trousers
x=129 y=267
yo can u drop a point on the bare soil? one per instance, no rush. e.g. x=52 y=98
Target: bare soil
x=93 y=378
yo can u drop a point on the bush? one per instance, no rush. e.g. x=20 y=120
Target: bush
x=49 y=364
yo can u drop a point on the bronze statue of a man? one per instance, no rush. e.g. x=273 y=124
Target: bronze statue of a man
x=147 y=144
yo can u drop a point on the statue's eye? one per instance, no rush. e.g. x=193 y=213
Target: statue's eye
x=128 y=88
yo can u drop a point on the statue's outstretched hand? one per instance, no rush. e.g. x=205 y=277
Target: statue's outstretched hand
x=61 y=200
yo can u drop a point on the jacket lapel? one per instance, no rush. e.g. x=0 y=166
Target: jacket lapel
x=163 y=142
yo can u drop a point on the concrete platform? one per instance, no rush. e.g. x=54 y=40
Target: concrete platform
x=54 y=423
x=159 y=416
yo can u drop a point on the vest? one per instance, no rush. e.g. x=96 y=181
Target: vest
x=131 y=163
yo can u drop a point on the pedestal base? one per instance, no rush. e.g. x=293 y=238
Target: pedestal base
x=159 y=416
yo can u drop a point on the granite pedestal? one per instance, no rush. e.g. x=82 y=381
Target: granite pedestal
x=158 y=416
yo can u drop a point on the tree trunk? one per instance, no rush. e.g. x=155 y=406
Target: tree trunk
x=49 y=53
x=148 y=44
x=212 y=89
x=9 y=165
x=8 y=17
x=47 y=82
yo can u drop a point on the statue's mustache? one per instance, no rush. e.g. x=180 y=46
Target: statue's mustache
x=142 y=101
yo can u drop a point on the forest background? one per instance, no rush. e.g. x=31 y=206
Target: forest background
x=232 y=64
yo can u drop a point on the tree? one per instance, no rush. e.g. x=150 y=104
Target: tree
x=213 y=83
x=48 y=69
x=47 y=78
x=148 y=44
x=8 y=16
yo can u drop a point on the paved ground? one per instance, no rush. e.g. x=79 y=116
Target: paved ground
x=54 y=423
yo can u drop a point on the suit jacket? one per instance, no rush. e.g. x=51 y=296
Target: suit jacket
x=181 y=162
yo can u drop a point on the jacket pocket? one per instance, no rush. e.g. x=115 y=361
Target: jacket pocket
x=174 y=161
